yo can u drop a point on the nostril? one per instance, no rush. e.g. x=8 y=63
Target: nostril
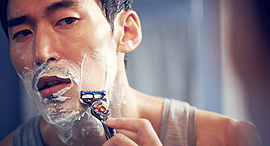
x=38 y=62
x=51 y=59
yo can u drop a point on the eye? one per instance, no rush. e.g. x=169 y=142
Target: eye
x=21 y=34
x=66 y=21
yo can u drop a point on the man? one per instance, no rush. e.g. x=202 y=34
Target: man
x=62 y=47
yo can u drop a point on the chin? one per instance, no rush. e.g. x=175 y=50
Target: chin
x=61 y=116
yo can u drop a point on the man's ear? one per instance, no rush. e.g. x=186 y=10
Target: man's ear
x=131 y=35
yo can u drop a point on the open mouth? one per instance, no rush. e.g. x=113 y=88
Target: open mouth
x=48 y=85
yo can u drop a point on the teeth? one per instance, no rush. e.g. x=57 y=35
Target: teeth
x=52 y=83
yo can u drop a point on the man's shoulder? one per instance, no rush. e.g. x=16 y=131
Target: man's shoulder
x=215 y=129
x=8 y=141
x=27 y=128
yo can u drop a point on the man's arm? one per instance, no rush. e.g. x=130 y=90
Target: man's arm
x=244 y=134
x=215 y=129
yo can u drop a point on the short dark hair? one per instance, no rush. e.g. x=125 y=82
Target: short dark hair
x=110 y=7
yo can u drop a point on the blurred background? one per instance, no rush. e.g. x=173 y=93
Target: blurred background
x=212 y=54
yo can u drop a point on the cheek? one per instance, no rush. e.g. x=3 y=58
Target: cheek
x=21 y=58
x=78 y=44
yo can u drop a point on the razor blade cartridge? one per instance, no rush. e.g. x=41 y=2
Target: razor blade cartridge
x=89 y=97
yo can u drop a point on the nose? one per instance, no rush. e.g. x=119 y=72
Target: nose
x=45 y=45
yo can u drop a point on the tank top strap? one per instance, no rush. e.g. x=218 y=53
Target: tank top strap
x=28 y=134
x=178 y=124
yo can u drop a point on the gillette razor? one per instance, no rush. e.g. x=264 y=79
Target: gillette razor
x=97 y=103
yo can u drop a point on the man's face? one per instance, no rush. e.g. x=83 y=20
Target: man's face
x=59 y=48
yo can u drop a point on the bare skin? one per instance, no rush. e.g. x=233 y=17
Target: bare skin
x=142 y=126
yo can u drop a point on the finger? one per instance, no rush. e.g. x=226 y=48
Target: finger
x=119 y=139
x=142 y=127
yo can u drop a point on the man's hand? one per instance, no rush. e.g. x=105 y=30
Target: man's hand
x=142 y=127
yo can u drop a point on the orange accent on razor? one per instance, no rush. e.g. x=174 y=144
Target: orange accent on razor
x=102 y=107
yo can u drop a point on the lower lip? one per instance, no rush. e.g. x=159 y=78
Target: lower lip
x=49 y=91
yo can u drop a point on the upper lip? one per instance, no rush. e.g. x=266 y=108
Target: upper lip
x=50 y=81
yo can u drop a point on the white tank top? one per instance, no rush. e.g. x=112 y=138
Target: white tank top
x=178 y=124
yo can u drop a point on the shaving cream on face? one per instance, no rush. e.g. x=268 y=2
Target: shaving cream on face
x=69 y=133
x=64 y=111
x=62 y=69
x=59 y=115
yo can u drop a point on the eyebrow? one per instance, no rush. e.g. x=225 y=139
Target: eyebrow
x=51 y=8
x=61 y=4
x=19 y=20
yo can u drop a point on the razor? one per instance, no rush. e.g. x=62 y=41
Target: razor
x=97 y=103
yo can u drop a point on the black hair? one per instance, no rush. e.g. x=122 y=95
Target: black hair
x=3 y=15
x=112 y=7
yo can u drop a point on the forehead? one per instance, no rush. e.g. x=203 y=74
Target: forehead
x=22 y=7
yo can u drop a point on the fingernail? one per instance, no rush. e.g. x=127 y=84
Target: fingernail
x=111 y=120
